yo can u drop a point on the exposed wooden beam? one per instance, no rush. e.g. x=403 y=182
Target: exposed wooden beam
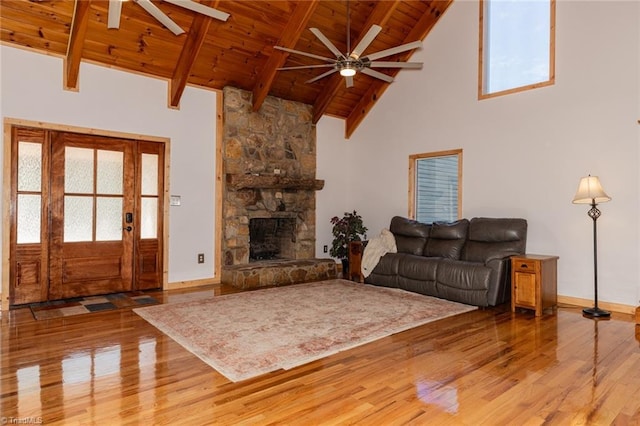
x=189 y=53
x=296 y=25
x=419 y=32
x=76 y=42
x=380 y=15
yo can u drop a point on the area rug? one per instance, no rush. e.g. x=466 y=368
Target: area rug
x=87 y=305
x=243 y=335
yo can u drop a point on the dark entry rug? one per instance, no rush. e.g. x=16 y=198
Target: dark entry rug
x=87 y=305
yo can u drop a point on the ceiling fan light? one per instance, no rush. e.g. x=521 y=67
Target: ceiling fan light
x=348 y=72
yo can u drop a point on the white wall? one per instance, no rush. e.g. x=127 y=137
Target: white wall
x=523 y=154
x=31 y=89
x=332 y=165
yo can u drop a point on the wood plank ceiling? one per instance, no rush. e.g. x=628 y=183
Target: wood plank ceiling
x=238 y=52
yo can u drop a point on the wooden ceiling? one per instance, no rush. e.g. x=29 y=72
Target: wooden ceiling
x=238 y=52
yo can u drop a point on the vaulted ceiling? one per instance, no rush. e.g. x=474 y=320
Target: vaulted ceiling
x=238 y=52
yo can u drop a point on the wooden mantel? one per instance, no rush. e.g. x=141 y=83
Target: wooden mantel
x=251 y=181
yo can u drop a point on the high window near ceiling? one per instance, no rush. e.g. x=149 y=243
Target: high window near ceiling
x=517 y=46
x=435 y=189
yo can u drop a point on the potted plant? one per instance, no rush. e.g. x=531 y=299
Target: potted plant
x=346 y=229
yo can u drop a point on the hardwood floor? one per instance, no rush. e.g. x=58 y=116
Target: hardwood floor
x=484 y=367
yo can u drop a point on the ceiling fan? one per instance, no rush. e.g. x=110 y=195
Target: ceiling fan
x=350 y=63
x=115 y=8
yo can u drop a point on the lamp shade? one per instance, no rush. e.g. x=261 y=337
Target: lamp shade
x=590 y=191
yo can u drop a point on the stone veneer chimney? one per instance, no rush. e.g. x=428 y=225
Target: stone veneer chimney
x=269 y=160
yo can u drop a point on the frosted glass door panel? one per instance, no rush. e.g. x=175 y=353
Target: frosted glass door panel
x=149 y=174
x=149 y=222
x=78 y=170
x=29 y=212
x=78 y=219
x=29 y=206
x=110 y=166
x=29 y=166
x=108 y=219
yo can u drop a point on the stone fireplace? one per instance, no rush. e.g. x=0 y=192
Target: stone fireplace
x=269 y=160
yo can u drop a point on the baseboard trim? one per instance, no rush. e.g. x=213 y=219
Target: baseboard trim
x=587 y=303
x=193 y=283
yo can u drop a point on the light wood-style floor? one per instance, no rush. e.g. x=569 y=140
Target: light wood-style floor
x=487 y=367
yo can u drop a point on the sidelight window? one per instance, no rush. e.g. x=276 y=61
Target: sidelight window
x=149 y=197
x=29 y=197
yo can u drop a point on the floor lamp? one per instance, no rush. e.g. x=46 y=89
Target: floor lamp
x=590 y=192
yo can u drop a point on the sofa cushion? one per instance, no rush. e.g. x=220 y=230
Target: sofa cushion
x=466 y=282
x=410 y=235
x=495 y=238
x=388 y=264
x=386 y=271
x=447 y=239
x=497 y=229
x=418 y=267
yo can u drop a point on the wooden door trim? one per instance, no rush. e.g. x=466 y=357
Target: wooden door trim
x=8 y=125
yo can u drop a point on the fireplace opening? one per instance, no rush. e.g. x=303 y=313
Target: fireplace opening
x=271 y=238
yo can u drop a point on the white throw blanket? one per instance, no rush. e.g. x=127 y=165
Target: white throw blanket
x=375 y=249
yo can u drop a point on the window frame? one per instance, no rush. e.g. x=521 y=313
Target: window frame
x=413 y=158
x=481 y=57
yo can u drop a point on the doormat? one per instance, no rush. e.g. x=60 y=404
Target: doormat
x=90 y=304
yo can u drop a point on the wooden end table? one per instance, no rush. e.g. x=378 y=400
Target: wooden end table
x=534 y=282
x=356 y=248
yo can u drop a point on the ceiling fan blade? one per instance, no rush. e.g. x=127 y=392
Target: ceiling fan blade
x=383 y=64
x=160 y=16
x=298 y=52
x=327 y=42
x=322 y=75
x=377 y=74
x=366 y=41
x=115 y=9
x=349 y=81
x=200 y=8
x=302 y=67
x=394 y=50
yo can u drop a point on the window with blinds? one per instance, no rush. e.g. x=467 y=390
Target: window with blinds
x=434 y=182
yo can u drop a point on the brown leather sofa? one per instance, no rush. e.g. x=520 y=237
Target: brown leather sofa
x=466 y=261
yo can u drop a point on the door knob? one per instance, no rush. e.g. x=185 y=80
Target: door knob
x=128 y=228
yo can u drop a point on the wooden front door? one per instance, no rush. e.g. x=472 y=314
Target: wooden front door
x=91 y=223
x=91 y=216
